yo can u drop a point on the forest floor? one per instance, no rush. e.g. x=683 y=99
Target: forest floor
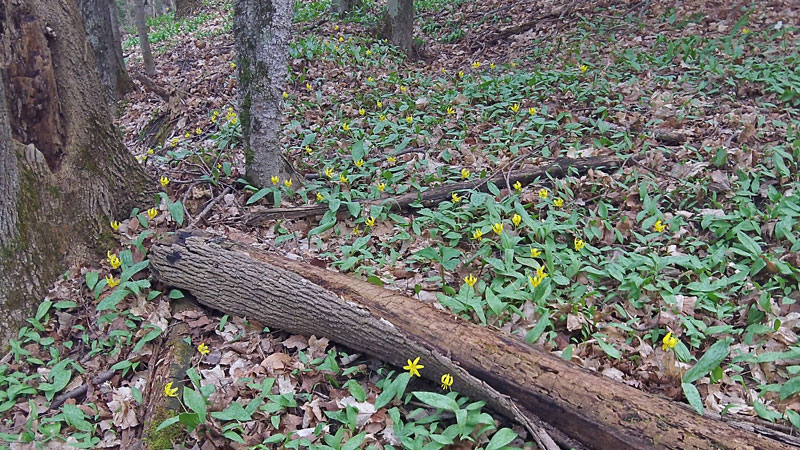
x=676 y=273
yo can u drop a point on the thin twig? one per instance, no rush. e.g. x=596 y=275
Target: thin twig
x=208 y=207
x=82 y=390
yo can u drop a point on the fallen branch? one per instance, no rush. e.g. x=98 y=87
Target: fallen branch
x=80 y=391
x=663 y=136
x=433 y=196
x=511 y=376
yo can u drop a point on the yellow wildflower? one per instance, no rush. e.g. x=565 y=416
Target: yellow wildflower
x=275 y=179
x=368 y=52
x=203 y=349
x=497 y=227
x=515 y=107
x=535 y=252
x=413 y=367
x=319 y=197
x=164 y=181
x=370 y=221
x=308 y=86
x=287 y=182
x=492 y=66
x=114 y=225
x=381 y=186
x=336 y=28
x=308 y=149
x=150 y=151
x=470 y=280
x=535 y=281
x=111 y=281
x=745 y=30
x=170 y=391
x=659 y=227
x=669 y=342
x=341 y=39
x=382 y=117
x=356 y=231
x=558 y=202
x=361 y=112
x=285 y=94
x=531 y=110
x=359 y=163
x=391 y=159
x=516 y=219
x=152 y=213
x=518 y=186
x=342 y=178
x=476 y=65
x=345 y=127
x=540 y=273
x=233 y=65
x=198 y=130
x=370 y=79
x=543 y=193
x=584 y=68
x=379 y=104
x=174 y=142
x=409 y=119
x=329 y=172
x=477 y=235
x=464 y=174
x=187 y=135
x=451 y=110
x=113 y=260
x=578 y=244
x=460 y=74
x=456 y=198
x=402 y=89
x=447 y=381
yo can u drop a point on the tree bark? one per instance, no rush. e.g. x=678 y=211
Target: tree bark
x=261 y=32
x=345 y=6
x=144 y=41
x=63 y=170
x=99 y=17
x=511 y=376
x=398 y=25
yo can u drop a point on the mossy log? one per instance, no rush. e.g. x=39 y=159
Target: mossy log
x=512 y=377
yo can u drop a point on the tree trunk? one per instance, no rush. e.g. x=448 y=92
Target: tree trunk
x=511 y=376
x=261 y=33
x=345 y=6
x=99 y=17
x=63 y=172
x=398 y=25
x=144 y=41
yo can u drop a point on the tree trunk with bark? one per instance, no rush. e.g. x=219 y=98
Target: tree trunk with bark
x=144 y=41
x=99 y=17
x=511 y=376
x=345 y=6
x=261 y=31
x=397 y=25
x=63 y=170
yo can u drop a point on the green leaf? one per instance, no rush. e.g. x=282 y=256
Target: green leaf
x=503 y=437
x=711 y=359
x=191 y=420
x=110 y=301
x=749 y=244
x=42 y=309
x=793 y=417
x=133 y=270
x=234 y=411
x=234 y=436
x=176 y=211
x=91 y=279
x=258 y=195
x=168 y=422
x=354 y=441
x=693 y=397
x=175 y=294
x=535 y=332
x=195 y=402
x=792 y=386
x=610 y=350
x=437 y=400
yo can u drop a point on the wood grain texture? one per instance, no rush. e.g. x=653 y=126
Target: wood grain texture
x=510 y=375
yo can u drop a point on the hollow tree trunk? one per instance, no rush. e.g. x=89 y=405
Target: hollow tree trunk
x=261 y=32
x=144 y=41
x=63 y=170
x=99 y=18
x=398 y=25
x=508 y=374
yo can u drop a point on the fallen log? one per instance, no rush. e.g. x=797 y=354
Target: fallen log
x=511 y=376
x=434 y=196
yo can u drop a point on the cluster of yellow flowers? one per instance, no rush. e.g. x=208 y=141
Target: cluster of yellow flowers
x=414 y=366
x=540 y=275
x=231 y=116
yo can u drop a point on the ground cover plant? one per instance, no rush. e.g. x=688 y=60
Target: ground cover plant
x=676 y=273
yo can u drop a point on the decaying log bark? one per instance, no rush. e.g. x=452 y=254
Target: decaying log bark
x=511 y=376
x=434 y=196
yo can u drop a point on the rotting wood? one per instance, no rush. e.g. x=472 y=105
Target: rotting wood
x=511 y=376
x=557 y=168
